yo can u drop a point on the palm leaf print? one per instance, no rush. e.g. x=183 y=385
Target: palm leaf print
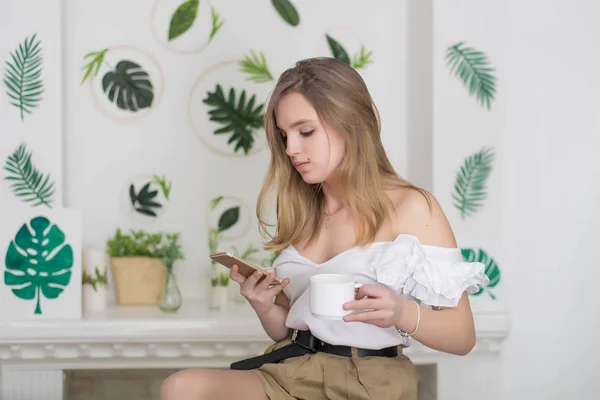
x=23 y=76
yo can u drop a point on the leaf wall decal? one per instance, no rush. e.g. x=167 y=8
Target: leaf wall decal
x=183 y=18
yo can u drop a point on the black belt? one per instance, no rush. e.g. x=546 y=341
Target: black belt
x=303 y=342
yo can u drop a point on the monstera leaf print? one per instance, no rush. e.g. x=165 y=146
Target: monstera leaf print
x=23 y=76
x=238 y=116
x=128 y=86
x=38 y=262
x=491 y=268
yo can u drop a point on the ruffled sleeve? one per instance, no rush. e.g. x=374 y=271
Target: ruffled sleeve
x=435 y=275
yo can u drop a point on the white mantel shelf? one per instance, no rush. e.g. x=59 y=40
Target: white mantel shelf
x=145 y=337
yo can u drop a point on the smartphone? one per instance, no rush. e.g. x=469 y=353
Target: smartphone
x=228 y=260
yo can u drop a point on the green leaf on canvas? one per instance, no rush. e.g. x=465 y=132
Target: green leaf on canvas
x=470 y=187
x=28 y=183
x=229 y=218
x=256 y=67
x=165 y=185
x=216 y=23
x=38 y=262
x=338 y=50
x=23 y=76
x=128 y=86
x=472 y=68
x=183 y=18
x=238 y=117
x=144 y=201
x=362 y=59
x=287 y=11
x=491 y=268
x=92 y=67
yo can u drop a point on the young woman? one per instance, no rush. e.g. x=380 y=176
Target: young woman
x=341 y=208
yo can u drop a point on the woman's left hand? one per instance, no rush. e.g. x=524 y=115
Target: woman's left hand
x=384 y=307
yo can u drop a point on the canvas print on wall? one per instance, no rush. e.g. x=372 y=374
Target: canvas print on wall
x=30 y=104
x=40 y=275
x=126 y=82
x=185 y=26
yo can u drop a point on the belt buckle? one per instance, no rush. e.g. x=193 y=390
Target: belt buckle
x=305 y=346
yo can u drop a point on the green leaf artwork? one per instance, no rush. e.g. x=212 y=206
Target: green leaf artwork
x=165 y=185
x=100 y=279
x=491 y=268
x=229 y=218
x=472 y=68
x=92 y=67
x=338 y=50
x=238 y=117
x=215 y=202
x=23 y=76
x=38 y=262
x=470 y=190
x=129 y=86
x=144 y=201
x=359 y=60
x=287 y=11
x=28 y=183
x=256 y=67
x=216 y=23
x=183 y=18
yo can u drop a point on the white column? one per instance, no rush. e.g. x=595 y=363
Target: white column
x=31 y=383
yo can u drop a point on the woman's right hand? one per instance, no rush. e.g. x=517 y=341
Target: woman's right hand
x=259 y=294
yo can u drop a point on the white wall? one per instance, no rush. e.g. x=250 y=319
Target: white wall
x=542 y=221
x=551 y=198
x=545 y=127
x=102 y=153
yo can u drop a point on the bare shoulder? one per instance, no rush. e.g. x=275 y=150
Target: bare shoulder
x=419 y=213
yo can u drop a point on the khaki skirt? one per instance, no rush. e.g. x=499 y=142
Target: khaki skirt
x=326 y=376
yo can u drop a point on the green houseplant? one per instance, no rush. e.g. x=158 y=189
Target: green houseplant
x=142 y=263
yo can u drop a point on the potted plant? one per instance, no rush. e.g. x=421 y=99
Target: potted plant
x=141 y=262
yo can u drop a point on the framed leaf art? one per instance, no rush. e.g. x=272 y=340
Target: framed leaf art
x=40 y=274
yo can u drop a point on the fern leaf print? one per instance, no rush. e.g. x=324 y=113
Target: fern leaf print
x=470 y=187
x=23 y=76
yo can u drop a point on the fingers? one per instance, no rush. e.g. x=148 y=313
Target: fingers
x=366 y=304
x=369 y=316
x=235 y=275
x=370 y=291
x=265 y=282
x=276 y=289
x=253 y=279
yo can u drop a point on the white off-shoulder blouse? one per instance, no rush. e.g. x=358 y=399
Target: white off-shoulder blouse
x=431 y=275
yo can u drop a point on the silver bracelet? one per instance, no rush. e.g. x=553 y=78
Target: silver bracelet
x=405 y=334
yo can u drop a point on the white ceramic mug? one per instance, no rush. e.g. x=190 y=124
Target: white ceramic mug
x=329 y=293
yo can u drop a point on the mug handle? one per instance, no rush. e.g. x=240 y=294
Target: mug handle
x=358 y=286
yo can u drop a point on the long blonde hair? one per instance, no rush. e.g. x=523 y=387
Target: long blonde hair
x=341 y=98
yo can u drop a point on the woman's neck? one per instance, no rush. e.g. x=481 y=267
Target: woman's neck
x=334 y=197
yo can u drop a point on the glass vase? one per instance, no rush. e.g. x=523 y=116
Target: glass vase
x=170 y=296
